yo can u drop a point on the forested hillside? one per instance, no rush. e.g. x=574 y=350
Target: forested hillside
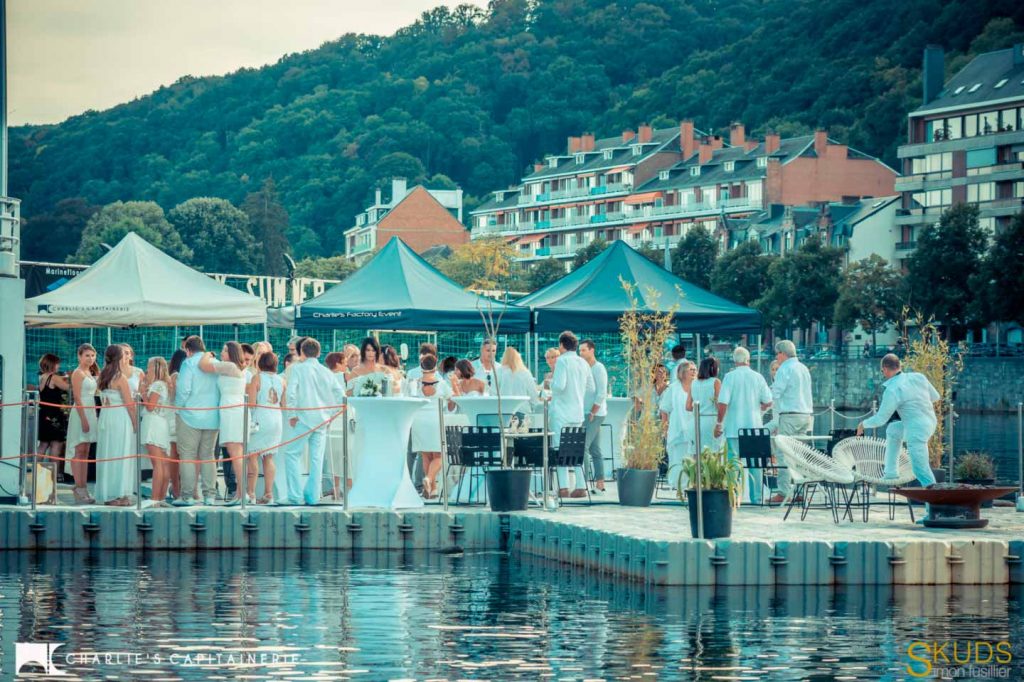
x=472 y=97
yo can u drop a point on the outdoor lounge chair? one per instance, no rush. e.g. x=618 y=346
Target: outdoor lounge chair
x=866 y=457
x=809 y=469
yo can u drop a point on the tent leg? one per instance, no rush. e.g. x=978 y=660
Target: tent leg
x=536 y=355
x=266 y=336
x=760 y=347
x=109 y=337
x=201 y=332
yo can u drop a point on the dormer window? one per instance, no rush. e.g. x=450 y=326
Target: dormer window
x=974 y=87
x=694 y=171
x=1000 y=83
x=608 y=154
x=553 y=162
x=762 y=162
x=959 y=90
x=730 y=166
x=663 y=175
x=637 y=150
x=579 y=159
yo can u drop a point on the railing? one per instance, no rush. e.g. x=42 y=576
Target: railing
x=1012 y=202
x=10 y=236
x=906 y=246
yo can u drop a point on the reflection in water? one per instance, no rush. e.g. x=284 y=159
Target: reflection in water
x=319 y=616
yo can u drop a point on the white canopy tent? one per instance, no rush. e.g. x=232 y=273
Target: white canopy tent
x=138 y=285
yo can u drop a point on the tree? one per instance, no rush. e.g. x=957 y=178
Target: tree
x=652 y=253
x=1000 y=284
x=741 y=275
x=481 y=263
x=588 y=253
x=52 y=236
x=544 y=273
x=869 y=296
x=269 y=224
x=114 y=221
x=694 y=257
x=218 y=234
x=803 y=286
x=335 y=267
x=940 y=272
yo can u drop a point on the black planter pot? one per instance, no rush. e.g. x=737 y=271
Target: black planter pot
x=979 y=481
x=717 y=513
x=636 y=486
x=508 y=489
x=939 y=474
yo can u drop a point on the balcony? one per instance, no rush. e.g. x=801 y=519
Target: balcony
x=906 y=246
x=573 y=193
x=1001 y=207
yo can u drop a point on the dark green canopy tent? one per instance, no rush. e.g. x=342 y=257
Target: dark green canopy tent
x=399 y=290
x=592 y=298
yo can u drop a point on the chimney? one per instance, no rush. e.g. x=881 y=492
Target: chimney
x=687 y=145
x=574 y=145
x=538 y=167
x=644 y=133
x=398 y=190
x=737 y=135
x=933 y=75
x=376 y=197
x=627 y=135
x=705 y=151
x=1018 y=54
x=716 y=142
x=820 y=142
x=771 y=143
x=587 y=142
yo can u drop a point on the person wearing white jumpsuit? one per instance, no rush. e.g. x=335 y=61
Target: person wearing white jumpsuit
x=911 y=397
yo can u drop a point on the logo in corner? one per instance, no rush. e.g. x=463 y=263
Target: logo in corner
x=41 y=654
x=43 y=308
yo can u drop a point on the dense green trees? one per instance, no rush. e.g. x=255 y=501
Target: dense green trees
x=1000 y=285
x=335 y=267
x=111 y=223
x=268 y=221
x=870 y=296
x=218 y=234
x=803 y=286
x=54 y=235
x=694 y=257
x=544 y=273
x=741 y=275
x=476 y=96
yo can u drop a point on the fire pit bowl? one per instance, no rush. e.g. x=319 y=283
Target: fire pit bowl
x=957 y=506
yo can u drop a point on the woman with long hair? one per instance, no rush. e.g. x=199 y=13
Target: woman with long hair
x=82 y=422
x=369 y=365
x=392 y=363
x=465 y=383
x=426 y=427
x=53 y=419
x=231 y=382
x=265 y=392
x=704 y=391
x=172 y=470
x=156 y=432
x=134 y=374
x=515 y=379
x=118 y=423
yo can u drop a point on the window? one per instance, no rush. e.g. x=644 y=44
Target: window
x=694 y=171
x=959 y=90
x=970 y=125
x=974 y=88
x=553 y=162
x=730 y=166
x=988 y=224
x=1008 y=119
x=983 y=191
x=608 y=153
x=988 y=122
x=637 y=150
x=579 y=159
x=1000 y=83
x=954 y=128
x=978 y=158
x=762 y=162
x=663 y=175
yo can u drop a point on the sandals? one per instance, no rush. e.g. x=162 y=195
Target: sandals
x=82 y=496
x=428 y=490
x=119 y=502
x=266 y=499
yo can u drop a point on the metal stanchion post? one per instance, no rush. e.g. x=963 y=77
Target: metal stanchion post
x=244 y=483
x=874 y=411
x=22 y=447
x=699 y=484
x=1020 y=456
x=544 y=450
x=831 y=415
x=35 y=451
x=952 y=414
x=138 y=453
x=444 y=455
x=344 y=453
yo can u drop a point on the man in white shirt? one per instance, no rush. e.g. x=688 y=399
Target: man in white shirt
x=791 y=396
x=484 y=368
x=595 y=402
x=910 y=398
x=742 y=400
x=570 y=382
x=197 y=430
x=311 y=385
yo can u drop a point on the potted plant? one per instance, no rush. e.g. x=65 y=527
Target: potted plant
x=643 y=333
x=721 y=479
x=976 y=468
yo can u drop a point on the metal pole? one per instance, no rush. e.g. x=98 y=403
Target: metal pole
x=35 y=449
x=344 y=453
x=444 y=454
x=698 y=351
x=951 y=440
x=245 y=450
x=138 y=450
x=874 y=411
x=544 y=450
x=832 y=415
x=1020 y=455
x=699 y=485
x=760 y=351
x=22 y=446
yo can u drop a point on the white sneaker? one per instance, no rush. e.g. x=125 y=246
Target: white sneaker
x=208 y=501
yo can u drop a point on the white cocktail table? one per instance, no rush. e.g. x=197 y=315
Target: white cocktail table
x=382 y=475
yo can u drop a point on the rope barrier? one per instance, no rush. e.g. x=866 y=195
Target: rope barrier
x=175 y=407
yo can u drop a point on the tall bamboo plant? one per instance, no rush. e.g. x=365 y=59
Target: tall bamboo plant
x=493 y=269
x=932 y=355
x=644 y=333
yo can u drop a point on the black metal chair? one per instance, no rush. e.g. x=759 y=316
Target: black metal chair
x=755 y=447
x=475 y=449
x=571 y=452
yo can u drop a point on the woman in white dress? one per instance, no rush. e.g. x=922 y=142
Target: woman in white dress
x=336 y=362
x=173 y=468
x=426 y=424
x=465 y=383
x=679 y=440
x=369 y=367
x=82 y=429
x=392 y=364
x=265 y=392
x=118 y=422
x=134 y=374
x=704 y=391
x=515 y=379
x=231 y=382
x=156 y=432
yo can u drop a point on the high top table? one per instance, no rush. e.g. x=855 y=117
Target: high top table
x=382 y=475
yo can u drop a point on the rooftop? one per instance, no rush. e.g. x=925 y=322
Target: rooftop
x=989 y=78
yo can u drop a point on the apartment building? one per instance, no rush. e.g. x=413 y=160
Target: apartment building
x=653 y=185
x=965 y=143
x=422 y=218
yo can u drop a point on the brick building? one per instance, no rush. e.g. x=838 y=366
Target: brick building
x=422 y=218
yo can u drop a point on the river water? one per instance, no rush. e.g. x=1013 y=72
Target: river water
x=378 y=616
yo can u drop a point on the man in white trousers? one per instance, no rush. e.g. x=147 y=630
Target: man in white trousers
x=571 y=380
x=311 y=385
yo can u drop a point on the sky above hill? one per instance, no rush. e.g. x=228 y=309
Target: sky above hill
x=69 y=56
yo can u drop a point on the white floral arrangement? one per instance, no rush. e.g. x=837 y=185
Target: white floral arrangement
x=369 y=389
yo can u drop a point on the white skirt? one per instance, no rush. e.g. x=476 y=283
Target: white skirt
x=75 y=433
x=231 y=419
x=116 y=439
x=156 y=430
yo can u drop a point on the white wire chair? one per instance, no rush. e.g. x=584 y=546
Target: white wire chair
x=866 y=457
x=809 y=468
